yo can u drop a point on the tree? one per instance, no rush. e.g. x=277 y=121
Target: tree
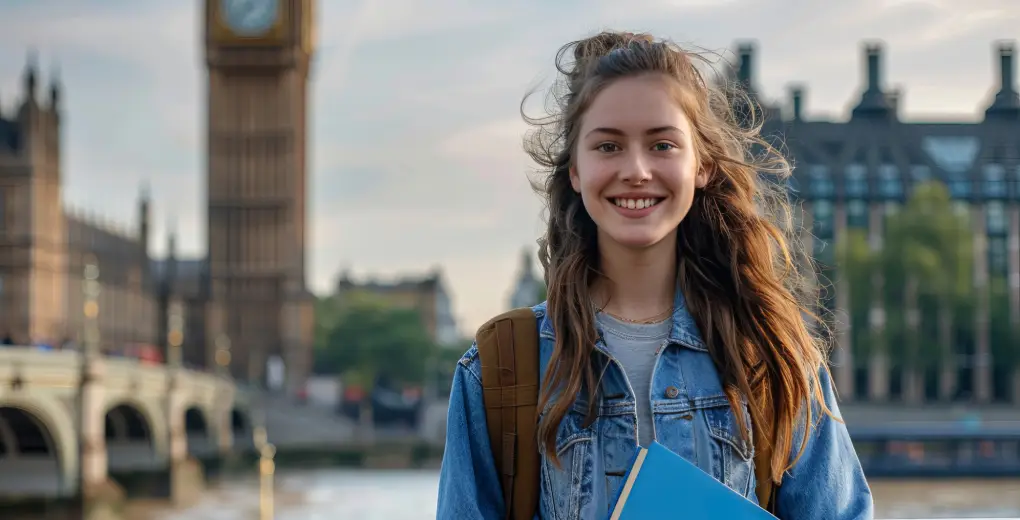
x=370 y=339
x=327 y=314
x=921 y=276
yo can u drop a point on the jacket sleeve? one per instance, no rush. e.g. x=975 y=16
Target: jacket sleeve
x=827 y=481
x=469 y=487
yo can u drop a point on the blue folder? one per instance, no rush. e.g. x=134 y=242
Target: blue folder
x=662 y=485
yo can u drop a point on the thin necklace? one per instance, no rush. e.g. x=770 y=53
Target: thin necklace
x=644 y=321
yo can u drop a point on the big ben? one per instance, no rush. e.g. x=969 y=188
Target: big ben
x=258 y=55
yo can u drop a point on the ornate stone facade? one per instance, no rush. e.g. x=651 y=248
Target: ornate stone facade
x=43 y=245
x=251 y=288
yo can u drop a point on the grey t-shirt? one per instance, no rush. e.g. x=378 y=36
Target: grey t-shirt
x=634 y=346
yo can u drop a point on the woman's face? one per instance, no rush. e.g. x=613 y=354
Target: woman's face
x=635 y=165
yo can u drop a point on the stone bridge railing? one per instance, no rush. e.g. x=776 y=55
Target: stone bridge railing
x=62 y=420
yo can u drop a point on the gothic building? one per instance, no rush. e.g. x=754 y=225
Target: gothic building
x=250 y=289
x=527 y=288
x=851 y=174
x=44 y=245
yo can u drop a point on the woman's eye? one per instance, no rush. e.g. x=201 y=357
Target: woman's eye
x=663 y=147
x=607 y=148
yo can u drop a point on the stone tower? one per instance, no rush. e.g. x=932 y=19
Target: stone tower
x=33 y=252
x=258 y=55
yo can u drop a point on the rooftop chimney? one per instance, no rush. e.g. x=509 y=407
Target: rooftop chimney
x=874 y=55
x=797 y=101
x=873 y=104
x=1007 y=59
x=745 y=73
x=1007 y=101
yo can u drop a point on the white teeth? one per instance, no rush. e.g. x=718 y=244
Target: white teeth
x=635 y=203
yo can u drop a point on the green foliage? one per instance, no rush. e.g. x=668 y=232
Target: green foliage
x=925 y=263
x=366 y=338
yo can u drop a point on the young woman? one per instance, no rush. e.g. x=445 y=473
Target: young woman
x=675 y=311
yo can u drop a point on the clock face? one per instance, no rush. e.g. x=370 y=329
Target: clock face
x=250 y=17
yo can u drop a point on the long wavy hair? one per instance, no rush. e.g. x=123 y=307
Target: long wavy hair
x=740 y=266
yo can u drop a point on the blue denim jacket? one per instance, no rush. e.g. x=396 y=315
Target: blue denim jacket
x=691 y=416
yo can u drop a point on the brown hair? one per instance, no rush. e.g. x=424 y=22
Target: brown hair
x=746 y=281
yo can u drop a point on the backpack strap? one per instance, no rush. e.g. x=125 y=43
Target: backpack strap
x=765 y=489
x=508 y=351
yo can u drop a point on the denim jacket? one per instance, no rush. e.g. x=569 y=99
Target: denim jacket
x=691 y=416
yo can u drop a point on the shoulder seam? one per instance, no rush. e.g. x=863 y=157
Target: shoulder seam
x=465 y=362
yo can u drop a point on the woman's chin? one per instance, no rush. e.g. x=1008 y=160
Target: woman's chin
x=638 y=240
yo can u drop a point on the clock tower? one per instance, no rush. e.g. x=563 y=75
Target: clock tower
x=258 y=55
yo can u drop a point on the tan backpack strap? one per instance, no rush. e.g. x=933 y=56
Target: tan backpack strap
x=765 y=488
x=508 y=350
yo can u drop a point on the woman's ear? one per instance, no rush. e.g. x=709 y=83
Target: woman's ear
x=575 y=181
x=703 y=176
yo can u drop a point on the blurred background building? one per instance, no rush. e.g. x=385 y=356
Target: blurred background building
x=893 y=340
x=528 y=289
x=427 y=294
x=43 y=244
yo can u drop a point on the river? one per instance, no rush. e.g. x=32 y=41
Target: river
x=411 y=495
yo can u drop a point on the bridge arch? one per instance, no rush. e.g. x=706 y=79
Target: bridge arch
x=201 y=429
x=240 y=423
x=134 y=434
x=44 y=428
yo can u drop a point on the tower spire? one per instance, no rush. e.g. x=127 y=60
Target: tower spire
x=31 y=74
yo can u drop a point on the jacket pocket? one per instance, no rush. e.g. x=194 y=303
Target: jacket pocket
x=568 y=488
x=731 y=450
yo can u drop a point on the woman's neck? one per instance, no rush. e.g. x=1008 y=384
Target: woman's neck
x=639 y=283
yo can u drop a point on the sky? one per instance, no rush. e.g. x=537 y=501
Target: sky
x=415 y=150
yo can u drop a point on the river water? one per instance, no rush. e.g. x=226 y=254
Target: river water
x=332 y=494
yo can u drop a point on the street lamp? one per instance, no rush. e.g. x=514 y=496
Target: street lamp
x=267 y=471
x=89 y=396
x=223 y=355
x=175 y=335
x=91 y=290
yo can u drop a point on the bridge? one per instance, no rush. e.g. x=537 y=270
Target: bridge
x=68 y=426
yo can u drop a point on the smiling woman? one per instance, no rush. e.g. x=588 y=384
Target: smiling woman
x=674 y=313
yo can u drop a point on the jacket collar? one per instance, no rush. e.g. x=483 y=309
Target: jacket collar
x=684 y=330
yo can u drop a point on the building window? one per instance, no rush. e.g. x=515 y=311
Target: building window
x=822 y=219
x=824 y=253
x=856 y=181
x=954 y=154
x=1014 y=180
x=890 y=185
x=995 y=218
x=959 y=186
x=997 y=259
x=857 y=214
x=821 y=181
x=920 y=173
x=994 y=181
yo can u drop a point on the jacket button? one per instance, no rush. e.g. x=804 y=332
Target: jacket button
x=672 y=392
